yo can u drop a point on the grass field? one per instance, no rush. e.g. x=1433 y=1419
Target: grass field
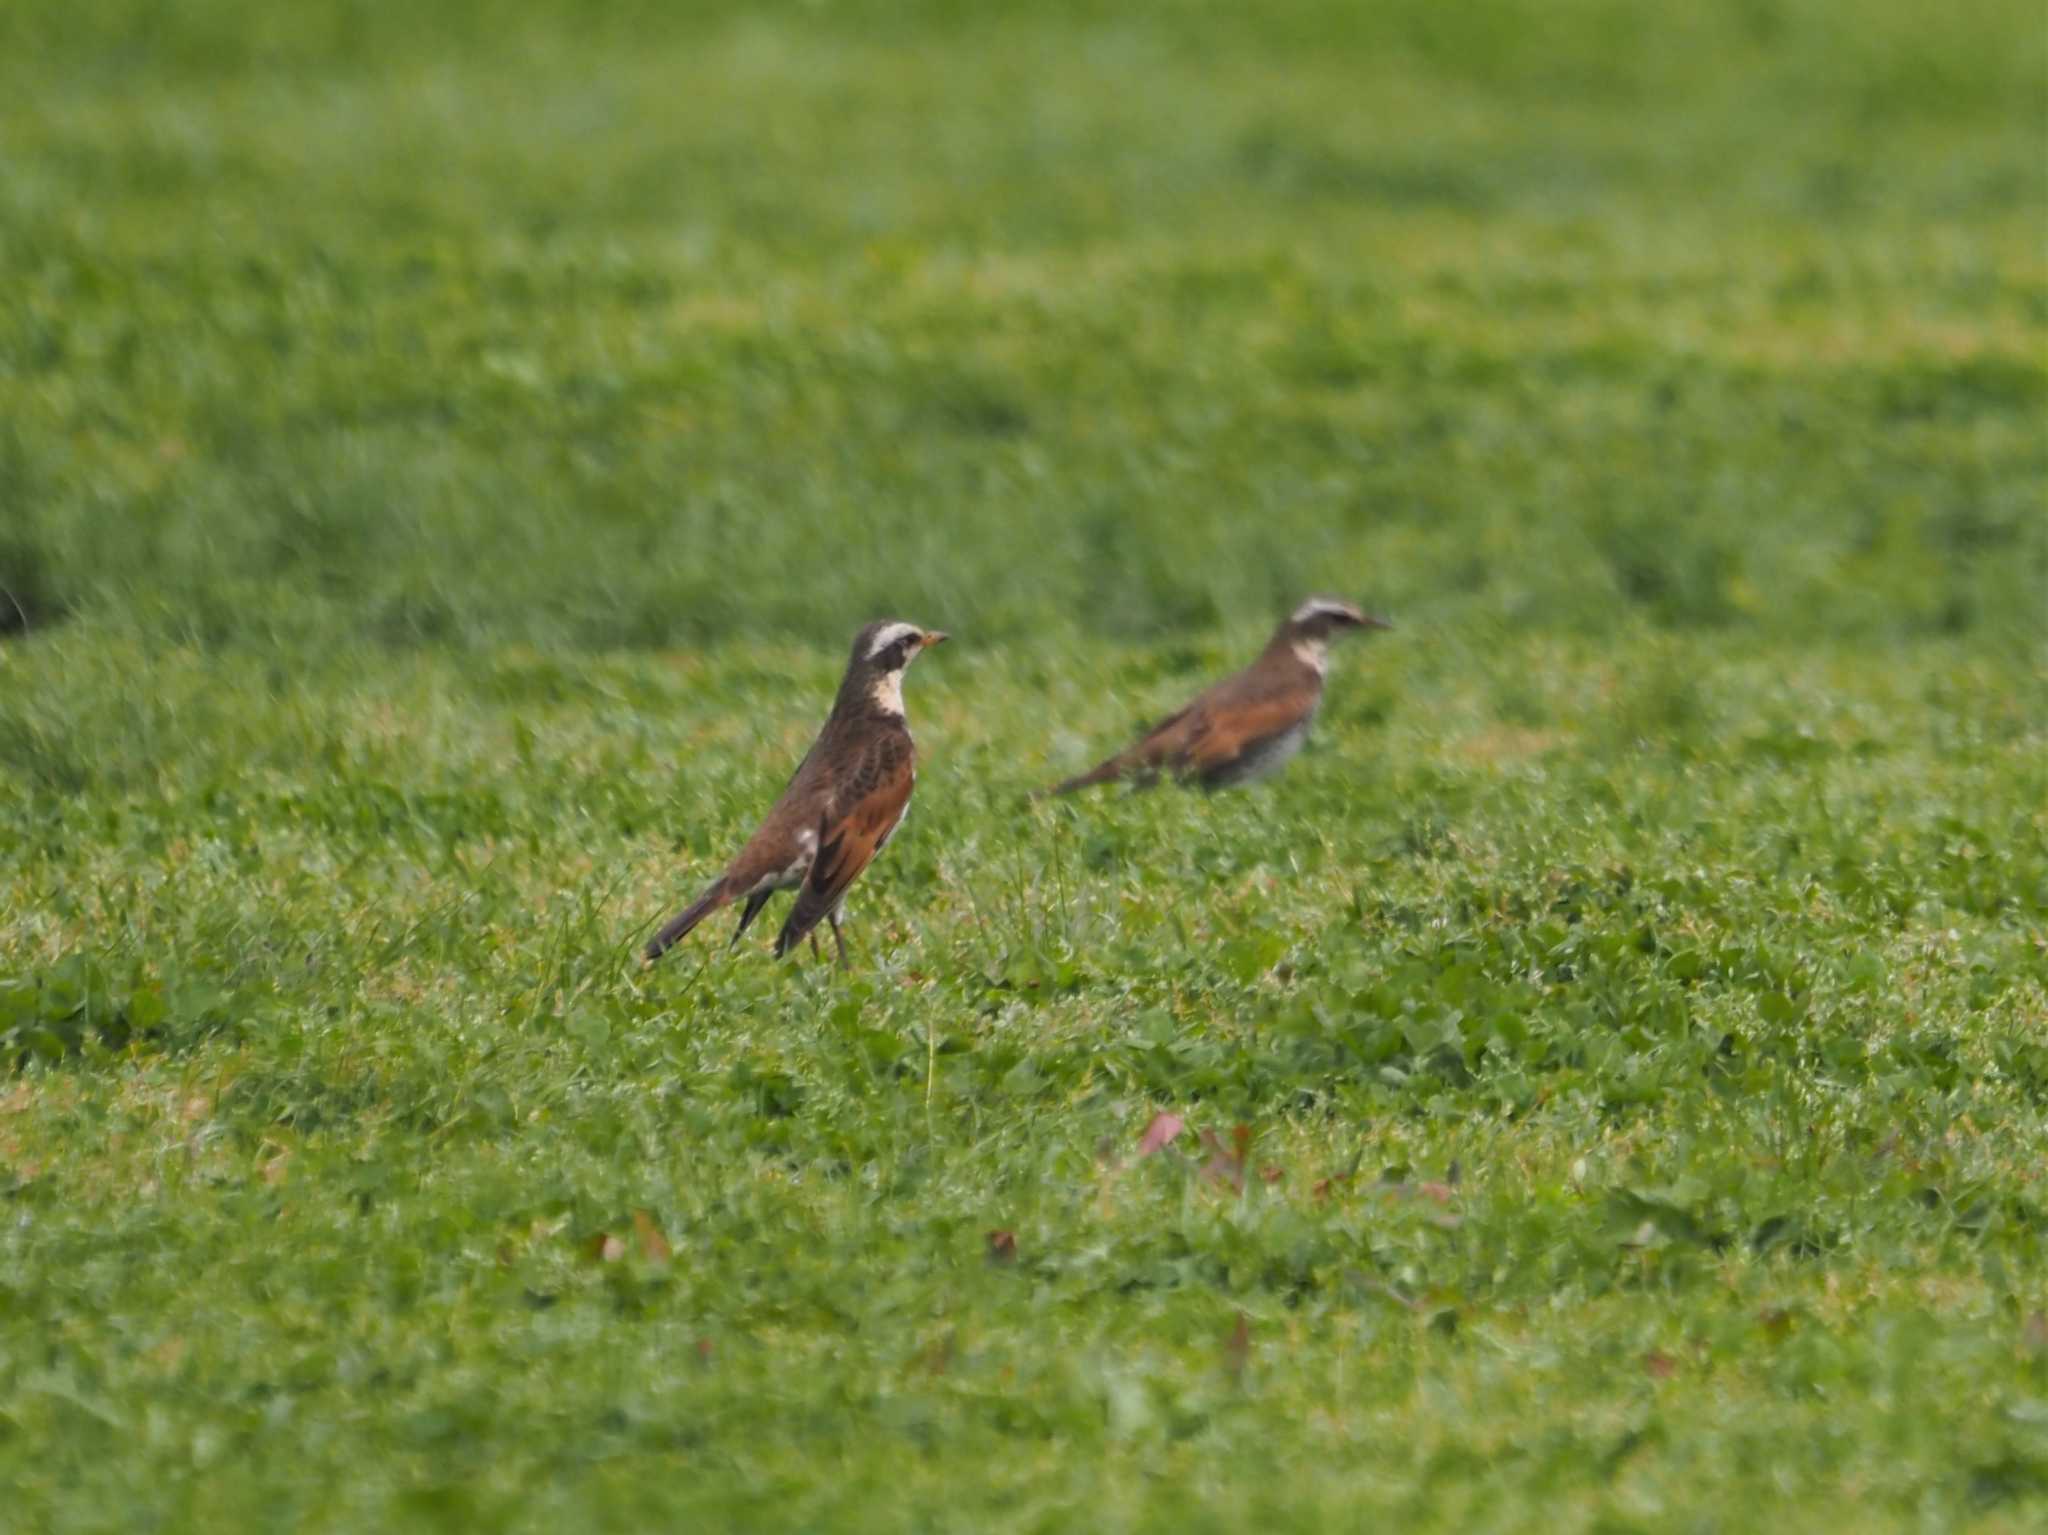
x=444 y=453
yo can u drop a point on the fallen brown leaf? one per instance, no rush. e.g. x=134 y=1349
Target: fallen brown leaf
x=1659 y=1366
x=1160 y=1133
x=1002 y=1246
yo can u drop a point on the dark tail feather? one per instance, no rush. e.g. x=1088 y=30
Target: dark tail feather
x=795 y=926
x=680 y=924
x=1102 y=772
x=748 y=913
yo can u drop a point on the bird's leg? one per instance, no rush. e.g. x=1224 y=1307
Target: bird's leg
x=839 y=938
x=816 y=952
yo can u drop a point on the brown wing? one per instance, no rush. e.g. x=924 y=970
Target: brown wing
x=864 y=811
x=1224 y=721
x=1217 y=735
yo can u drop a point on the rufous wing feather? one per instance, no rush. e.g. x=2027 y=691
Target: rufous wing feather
x=847 y=845
x=1226 y=735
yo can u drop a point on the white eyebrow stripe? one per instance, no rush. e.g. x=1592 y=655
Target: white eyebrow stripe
x=888 y=637
x=1327 y=607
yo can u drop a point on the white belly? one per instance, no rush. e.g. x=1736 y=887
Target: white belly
x=1264 y=759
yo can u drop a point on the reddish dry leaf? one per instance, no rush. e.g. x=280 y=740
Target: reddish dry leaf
x=1237 y=1348
x=653 y=1245
x=1002 y=1246
x=1271 y=1173
x=704 y=1351
x=1659 y=1365
x=1160 y=1133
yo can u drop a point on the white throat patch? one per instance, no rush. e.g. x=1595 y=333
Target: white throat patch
x=888 y=637
x=887 y=692
x=1314 y=654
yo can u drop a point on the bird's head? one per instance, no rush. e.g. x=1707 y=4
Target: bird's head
x=1320 y=618
x=1308 y=630
x=889 y=645
x=881 y=652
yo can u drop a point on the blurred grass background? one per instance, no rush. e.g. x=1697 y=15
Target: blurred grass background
x=444 y=450
x=619 y=325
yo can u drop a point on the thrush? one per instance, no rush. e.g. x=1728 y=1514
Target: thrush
x=845 y=798
x=1247 y=726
